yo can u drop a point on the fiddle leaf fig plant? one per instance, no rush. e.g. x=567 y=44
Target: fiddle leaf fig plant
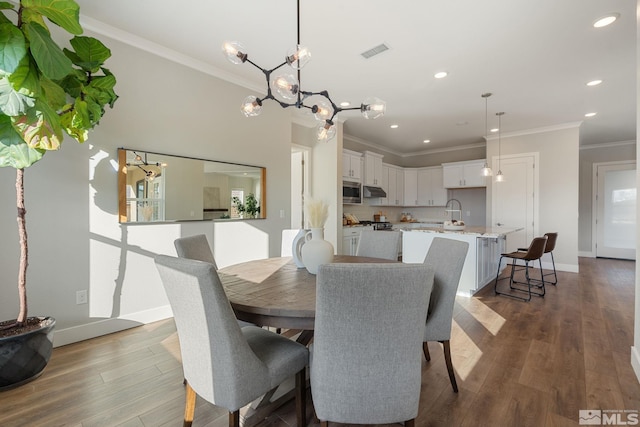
x=46 y=91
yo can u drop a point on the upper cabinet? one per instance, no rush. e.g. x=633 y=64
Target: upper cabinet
x=463 y=174
x=423 y=187
x=351 y=166
x=372 y=169
x=431 y=190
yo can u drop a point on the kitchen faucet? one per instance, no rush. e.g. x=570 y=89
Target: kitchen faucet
x=448 y=208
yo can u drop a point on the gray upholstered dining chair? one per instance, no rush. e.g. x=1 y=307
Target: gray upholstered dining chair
x=366 y=360
x=446 y=257
x=224 y=364
x=379 y=244
x=197 y=247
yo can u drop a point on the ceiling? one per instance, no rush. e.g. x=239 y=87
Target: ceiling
x=534 y=56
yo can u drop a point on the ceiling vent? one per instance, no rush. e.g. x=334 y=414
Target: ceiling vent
x=374 y=51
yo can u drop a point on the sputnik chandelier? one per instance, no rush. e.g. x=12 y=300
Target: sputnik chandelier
x=139 y=162
x=290 y=94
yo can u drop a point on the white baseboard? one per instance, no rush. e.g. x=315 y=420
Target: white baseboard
x=635 y=361
x=108 y=326
x=586 y=254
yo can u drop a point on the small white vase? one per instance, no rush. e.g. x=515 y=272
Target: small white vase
x=296 y=247
x=316 y=250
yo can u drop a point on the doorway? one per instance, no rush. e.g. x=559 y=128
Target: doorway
x=615 y=210
x=299 y=184
x=515 y=200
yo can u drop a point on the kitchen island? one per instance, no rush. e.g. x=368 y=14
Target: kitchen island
x=485 y=246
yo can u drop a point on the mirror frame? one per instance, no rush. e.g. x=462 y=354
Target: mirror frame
x=122 y=188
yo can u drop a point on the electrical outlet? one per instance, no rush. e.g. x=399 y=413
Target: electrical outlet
x=468 y=213
x=81 y=297
x=281 y=213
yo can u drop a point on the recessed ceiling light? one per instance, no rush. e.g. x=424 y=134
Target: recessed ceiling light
x=494 y=130
x=441 y=75
x=426 y=141
x=590 y=114
x=606 y=20
x=594 y=82
x=345 y=103
x=394 y=126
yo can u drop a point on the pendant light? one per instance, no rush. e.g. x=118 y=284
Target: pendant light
x=486 y=170
x=499 y=175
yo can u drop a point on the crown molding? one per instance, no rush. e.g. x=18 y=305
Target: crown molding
x=561 y=126
x=607 y=144
x=141 y=43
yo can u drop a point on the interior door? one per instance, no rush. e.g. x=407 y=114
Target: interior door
x=514 y=201
x=615 y=220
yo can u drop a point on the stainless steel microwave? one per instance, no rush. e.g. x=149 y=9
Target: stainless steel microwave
x=351 y=192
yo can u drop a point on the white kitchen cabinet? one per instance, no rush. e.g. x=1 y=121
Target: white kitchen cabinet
x=351 y=166
x=411 y=187
x=431 y=190
x=351 y=237
x=423 y=187
x=372 y=169
x=395 y=194
x=463 y=174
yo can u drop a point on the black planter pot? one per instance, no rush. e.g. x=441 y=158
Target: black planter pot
x=23 y=357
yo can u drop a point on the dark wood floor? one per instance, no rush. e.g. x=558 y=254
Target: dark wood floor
x=518 y=364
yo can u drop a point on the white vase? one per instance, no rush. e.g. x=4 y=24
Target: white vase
x=296 y=247
x=316 y=250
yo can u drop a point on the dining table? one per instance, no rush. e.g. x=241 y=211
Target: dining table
x=274 y=292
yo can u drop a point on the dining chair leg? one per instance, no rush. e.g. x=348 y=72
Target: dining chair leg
x=324 y=423
x=410 y=423
x=190 y=405
x=425 y=350
x=301 y=398
x=447 y=358
x=234 y=419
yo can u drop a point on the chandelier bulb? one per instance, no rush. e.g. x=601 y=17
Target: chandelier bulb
x=322 y=110
x=251 y=106
x=234 y=52
x=286 y=86
x=325 y=131
x=298 y=57
x=372 y=108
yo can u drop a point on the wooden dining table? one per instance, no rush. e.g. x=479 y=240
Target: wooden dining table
x=275 y=292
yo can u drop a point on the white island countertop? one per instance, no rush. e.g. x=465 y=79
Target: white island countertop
x=491 y=232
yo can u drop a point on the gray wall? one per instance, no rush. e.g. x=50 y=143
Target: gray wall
x=75 y=239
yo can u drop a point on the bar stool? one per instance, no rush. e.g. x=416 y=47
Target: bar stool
x=534 y=252
x=548 y=249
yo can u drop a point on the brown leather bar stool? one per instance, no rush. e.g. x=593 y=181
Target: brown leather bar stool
x=534 y=252
x=548 y=249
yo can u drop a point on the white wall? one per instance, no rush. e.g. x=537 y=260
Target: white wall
x=75 y=239
x=635 y=352
x=558 y=186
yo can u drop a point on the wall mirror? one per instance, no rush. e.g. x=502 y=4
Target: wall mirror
x=155 y=187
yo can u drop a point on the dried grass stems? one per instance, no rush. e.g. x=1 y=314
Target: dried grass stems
x=317 y=213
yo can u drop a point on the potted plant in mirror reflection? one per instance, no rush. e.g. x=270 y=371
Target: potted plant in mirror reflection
x=251 y=207
x=46 y=91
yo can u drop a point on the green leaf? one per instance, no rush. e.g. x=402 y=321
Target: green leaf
x=25 y=79
x=72 y=85
x=89 y=53
x=73 y=125
x=14 y=152
x=12 y=47
x=40 y=127
x=103 y=82
x=50 y=59
x=13 y=103
x=53 y=93
x=64 y=13
x=5 y=5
